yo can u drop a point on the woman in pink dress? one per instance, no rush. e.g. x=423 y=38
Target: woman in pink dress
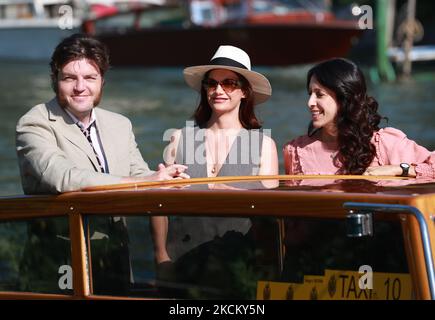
x=344 y=135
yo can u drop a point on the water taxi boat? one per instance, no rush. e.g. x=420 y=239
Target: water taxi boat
x=282 y=237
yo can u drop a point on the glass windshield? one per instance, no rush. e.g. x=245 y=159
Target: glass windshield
x=35 y=256
x=248 y=258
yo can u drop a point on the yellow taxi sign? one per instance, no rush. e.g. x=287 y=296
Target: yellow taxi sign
x=339 y=285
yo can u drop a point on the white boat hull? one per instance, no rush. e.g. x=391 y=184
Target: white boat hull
x=31 y=43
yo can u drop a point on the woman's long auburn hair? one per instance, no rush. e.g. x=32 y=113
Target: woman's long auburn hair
x=247 y=116
x=357 y=116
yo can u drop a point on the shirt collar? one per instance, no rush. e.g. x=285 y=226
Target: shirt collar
x=79 y=123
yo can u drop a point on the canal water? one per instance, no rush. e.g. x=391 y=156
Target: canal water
x=158 y=99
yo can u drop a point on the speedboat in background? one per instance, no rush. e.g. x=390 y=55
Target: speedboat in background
x=152 y=32
x=274 y=32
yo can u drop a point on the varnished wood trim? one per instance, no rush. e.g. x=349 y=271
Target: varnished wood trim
x=413 y=241
x=422 y=284
x=224 y=203
x=206 y=180
x=89 y=253
x=78 y=252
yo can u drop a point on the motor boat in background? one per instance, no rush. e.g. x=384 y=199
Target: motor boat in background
x=181 y=33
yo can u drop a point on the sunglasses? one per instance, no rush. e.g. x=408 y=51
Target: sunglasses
x=229 y=85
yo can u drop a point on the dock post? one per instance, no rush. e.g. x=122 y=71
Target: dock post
x=385 y=13
x=409 y=39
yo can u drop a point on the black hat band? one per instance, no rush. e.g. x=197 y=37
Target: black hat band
x=227 y=62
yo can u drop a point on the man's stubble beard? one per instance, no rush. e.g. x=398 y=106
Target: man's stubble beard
x=64 y=103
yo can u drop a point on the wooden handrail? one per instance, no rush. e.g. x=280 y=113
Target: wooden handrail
x=228 y=179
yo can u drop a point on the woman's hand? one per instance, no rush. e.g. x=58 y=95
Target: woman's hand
x=388 y=170
x=173 y=171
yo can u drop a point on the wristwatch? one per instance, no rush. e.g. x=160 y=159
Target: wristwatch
x=405 y=169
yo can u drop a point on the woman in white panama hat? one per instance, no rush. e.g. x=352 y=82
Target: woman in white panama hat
x=225 y=141
x=229 y=92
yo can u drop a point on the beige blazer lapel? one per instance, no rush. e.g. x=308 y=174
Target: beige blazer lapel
x=108 y=139
x=65 y=125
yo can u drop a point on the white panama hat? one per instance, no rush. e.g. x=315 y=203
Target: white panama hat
x=234 y=59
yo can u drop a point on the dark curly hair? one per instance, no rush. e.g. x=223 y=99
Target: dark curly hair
x=75 y=47
x=247 y=115
x=357 y=116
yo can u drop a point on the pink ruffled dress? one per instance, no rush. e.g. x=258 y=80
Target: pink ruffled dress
x=305 y=155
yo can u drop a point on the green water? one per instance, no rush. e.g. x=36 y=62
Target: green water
x=158 y=99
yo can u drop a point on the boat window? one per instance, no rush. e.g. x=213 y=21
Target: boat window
x=16 y=11
x=121 y=22
x=35 y=256
x=162 y=17
x=285 y=6
x=247 y=258
x=322 y=261
x=152 y=18
x=235 y=253
x=204 y=13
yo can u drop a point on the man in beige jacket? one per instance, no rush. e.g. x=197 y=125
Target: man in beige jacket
x=67 y=143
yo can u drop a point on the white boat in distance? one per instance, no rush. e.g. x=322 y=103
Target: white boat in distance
x=30 y=29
